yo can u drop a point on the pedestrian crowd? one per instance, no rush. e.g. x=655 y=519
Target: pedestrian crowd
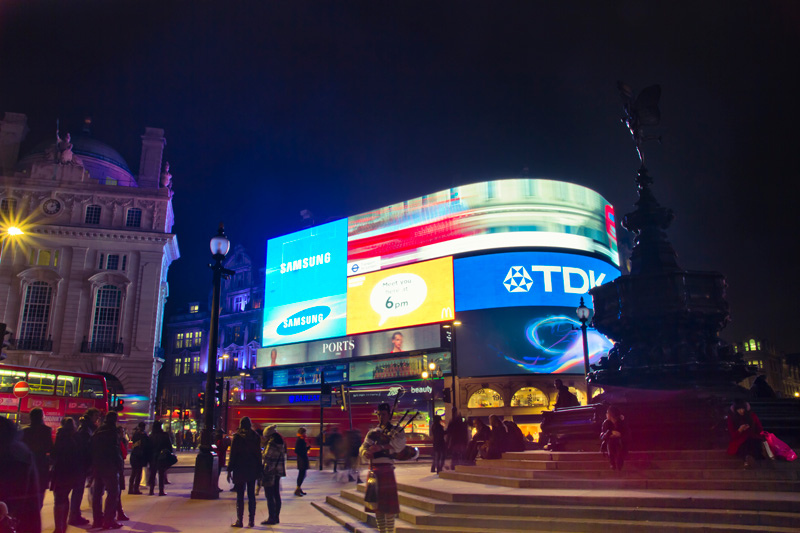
x=89 y=455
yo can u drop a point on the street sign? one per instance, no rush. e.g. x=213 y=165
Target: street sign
x=325 y=400
x=21 y=389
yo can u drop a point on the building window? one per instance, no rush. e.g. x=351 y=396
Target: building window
x=178 y=366
x=752 y=344
x=105 y=327
x=485 y=398
x=529 y=397
x=112 y=263
x=256 y=304
x=133 y=218
x=8 y=207
x=198 y=338
x=44 y=257
x=196 y=364
x=187 y=365
x=92 y=214
x=36 y=312
x=194 y=308
x=179 y=340
x=237 y=334
x=239 y=302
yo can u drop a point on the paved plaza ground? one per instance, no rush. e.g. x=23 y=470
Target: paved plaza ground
x=176 y=512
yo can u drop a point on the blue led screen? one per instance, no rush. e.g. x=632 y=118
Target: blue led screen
x=306 y=288
x=527 y=279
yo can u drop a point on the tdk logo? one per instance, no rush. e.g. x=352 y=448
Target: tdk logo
x=303 y=320
x=575 y=280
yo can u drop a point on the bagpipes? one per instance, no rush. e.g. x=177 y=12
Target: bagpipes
x=385 y=435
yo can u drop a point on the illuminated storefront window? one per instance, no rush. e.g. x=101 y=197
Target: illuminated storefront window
x=485 y=398
x=529 y=397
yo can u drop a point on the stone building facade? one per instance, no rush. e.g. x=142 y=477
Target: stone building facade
x=186 y=342
x=84 y=287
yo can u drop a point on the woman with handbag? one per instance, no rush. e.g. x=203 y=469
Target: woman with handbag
x=745 y=429
x=161 y=458
x=274 y=469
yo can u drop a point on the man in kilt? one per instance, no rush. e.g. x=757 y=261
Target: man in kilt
x=379 y=449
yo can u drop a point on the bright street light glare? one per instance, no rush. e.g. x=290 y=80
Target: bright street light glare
x=14 y=230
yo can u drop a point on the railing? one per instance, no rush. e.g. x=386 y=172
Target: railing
x=101 y=347
x=35 y=345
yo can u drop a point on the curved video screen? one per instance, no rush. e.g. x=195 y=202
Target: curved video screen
x=524 y=340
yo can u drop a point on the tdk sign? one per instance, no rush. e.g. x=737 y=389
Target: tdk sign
x=527 y=279
x=576 y=280
x=303 y=320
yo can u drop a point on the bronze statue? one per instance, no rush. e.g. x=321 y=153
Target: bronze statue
x=640 y=112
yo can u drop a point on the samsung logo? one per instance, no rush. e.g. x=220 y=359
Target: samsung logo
x=303 y=320
x=306 y=262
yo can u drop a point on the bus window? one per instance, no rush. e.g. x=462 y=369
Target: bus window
x=8 y=378
x=41 y=383
x=67 y=386
x=92 y=388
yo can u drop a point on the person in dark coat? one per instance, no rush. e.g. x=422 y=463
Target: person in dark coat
x=745 y=429
x=516 y=440
x=482 y=434
x=107 y=463
x=761 y=388
x=83 y=464
x=19 y=482
x=498 y=439
x=141 y=451
x=439 y=445
x=65 y=471
x=39 y=439
x=565 y=398
x=274 y=469
x=614 y=437
x=301 y=450
x=161 y=447
x=457 y=436
x=244 y=469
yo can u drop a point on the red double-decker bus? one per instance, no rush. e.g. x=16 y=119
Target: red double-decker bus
x=58 y=393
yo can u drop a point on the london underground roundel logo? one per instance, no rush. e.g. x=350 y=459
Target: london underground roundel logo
x=517 y=280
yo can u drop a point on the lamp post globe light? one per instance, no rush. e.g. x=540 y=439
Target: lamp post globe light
x=583 y=313
x=206 y=470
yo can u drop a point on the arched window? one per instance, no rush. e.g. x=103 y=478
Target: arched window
x=485 y=398
x=529 y=397
x=105 y=326
x=35 y=317
x=752 y=344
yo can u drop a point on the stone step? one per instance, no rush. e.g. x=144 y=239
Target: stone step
x=652 y=455
x=342 y=518
x=755 y=501
x=623 y=484
x=433 y=515
x=632 y=472
x=601 y=463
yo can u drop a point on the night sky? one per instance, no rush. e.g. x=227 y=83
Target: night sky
x=271 y=107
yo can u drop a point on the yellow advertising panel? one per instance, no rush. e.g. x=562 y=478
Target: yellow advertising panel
x=419 y=293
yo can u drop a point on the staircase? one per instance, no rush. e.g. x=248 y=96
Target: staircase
x=665 y=491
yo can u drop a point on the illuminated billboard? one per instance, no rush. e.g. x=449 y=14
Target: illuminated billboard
x=517 y=279
x=305 y=288
x=500 y=214
x=524 y=340
x=420 y=293
x=384 y=342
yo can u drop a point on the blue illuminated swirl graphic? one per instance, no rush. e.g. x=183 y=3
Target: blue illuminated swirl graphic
x=558 y=346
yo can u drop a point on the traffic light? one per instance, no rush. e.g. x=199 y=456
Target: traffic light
x=3 y=341
x=446 y=397
x=219 y=389
x=201 y=400
x=118 y=406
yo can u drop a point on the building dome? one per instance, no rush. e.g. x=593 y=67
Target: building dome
x=83 y=146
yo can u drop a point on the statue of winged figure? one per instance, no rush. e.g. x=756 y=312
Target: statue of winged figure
x=640 y=112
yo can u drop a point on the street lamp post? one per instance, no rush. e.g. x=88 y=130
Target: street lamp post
x=583 y=315
x=206 y=470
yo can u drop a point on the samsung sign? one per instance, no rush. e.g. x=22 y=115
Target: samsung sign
x=527 y=279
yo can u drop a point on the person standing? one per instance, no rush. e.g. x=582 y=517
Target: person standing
x=274 y=470
x=19 y=483
x=457 y=435
x=123 y=449
x=39 y=439
x=565 y=398
x=83 y=463
x=301 y=451
x=161 y=447
x=107 y=462
x=65 y=472
x=378 y=448
x=244 y=469
x=140 y=454
x=439 y=446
